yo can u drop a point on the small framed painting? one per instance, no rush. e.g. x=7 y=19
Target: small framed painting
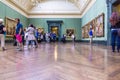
x=69 y=32
x=41 y=30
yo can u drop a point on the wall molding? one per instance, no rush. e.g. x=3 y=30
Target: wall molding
x=14 y=8
x=88 y=5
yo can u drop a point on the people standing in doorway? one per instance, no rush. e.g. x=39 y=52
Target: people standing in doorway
x=19 y=33
x=115 y=27
x=2 y=37
x=90 y=35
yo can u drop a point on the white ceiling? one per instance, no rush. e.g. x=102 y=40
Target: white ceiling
x=51 y=7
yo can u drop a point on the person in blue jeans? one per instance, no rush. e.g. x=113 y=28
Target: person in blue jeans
x=115 y=26
x=118 y=36
x=118 y=42
x=115 y=37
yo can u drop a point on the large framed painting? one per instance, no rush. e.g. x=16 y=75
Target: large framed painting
x=99 y=29
x=10 y=27
x=92 y=25
x=69 y=32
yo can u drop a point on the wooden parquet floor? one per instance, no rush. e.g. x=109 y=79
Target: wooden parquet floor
x=58 y=61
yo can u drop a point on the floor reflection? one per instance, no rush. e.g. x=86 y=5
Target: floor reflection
x=90 y=53
x=56 y=52
x=58 y=61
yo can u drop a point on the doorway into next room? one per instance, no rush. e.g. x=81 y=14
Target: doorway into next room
x=55 y=30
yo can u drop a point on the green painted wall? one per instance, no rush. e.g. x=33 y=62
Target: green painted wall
x=6 y=11
x=68 y=23
x=98 y=8
x=75 y=23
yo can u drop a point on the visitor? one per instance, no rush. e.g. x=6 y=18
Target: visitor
x=73 y=38
x=31 y=36
x=115 y=26
x=19 y=33
x=91 y=35
x=2 y=37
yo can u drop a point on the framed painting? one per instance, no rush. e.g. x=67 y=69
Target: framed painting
x=92 y=25
x=69 y=32
x=41 y=30
x=10 y=27
x=99 y=29
x=86 y=31
x=83 y=32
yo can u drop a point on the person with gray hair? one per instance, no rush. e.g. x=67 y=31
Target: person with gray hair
x=2 y=38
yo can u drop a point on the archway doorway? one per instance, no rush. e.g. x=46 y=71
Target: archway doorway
x=55 y=30
x=55 y=27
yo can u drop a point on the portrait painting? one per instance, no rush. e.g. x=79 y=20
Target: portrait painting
x=69 y=32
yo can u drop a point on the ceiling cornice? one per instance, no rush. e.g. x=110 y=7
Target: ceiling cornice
x=88 y=6
x=16 y=8
x=54 y=16
x=68 y=14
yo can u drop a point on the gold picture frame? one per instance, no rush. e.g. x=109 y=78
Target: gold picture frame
x=10 y=26
x=99 y=26
x=41 y=30
x=69 y=32
x=86 y=30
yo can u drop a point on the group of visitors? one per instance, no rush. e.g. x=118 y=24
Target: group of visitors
x=29 y=36
x=32 y=36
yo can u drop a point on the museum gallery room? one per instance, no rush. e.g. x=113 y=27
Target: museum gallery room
x=59 y=40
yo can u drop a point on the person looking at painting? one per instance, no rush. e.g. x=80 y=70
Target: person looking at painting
x=91 y=34
x=73 y=38
x=2 y=37
x=19 y=32
x=115 y=28
x=64 y=38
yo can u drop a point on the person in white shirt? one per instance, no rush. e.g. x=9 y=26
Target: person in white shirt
x=73 y=37
x=2 y=38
